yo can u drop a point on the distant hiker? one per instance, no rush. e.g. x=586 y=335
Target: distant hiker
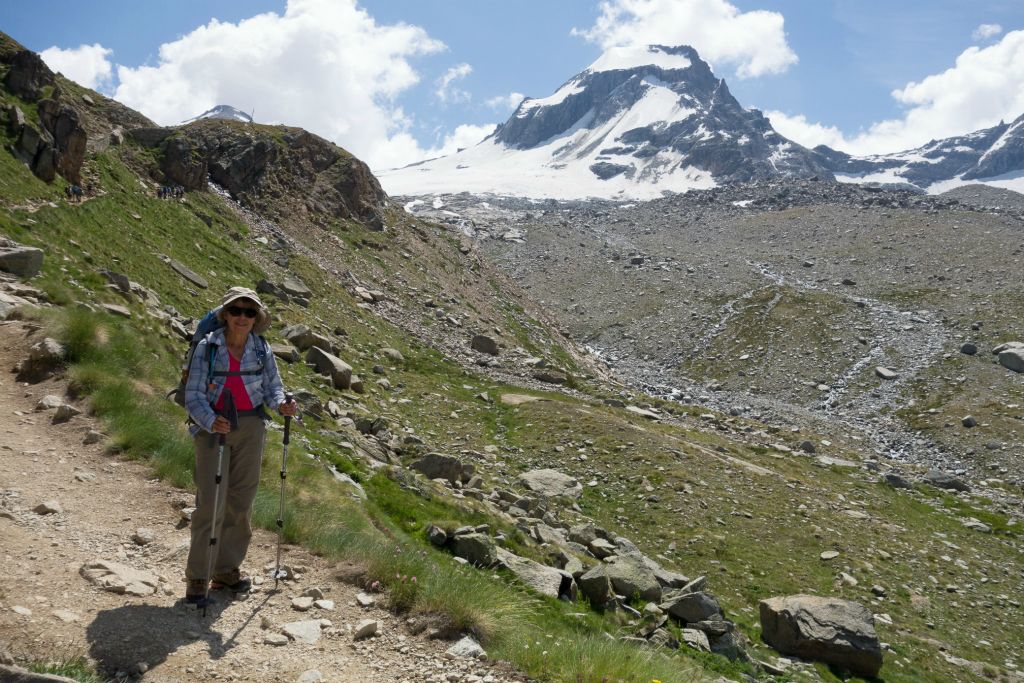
x=67 y=192
x=160 y=192
x=232 y=359
x=77 y=192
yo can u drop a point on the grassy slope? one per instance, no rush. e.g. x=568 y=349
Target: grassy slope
x=755 y=535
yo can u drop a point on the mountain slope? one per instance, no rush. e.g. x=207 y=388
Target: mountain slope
x=636 y=123
x=992 y=155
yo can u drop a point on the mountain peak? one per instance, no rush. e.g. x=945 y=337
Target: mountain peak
x=223 y=111
x=637 y=122
x=633 y=56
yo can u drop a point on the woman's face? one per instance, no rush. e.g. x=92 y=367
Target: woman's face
x=236 y=318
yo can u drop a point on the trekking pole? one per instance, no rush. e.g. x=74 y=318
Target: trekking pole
x=232 y=416
x=284 y=475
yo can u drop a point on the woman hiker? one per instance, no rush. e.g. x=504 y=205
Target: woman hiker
x=242 y=366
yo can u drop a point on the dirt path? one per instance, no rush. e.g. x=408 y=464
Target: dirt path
x=48 y=611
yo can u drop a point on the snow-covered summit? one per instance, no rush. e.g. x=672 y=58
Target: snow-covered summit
x=223 y=111
x=636 y=123
x=992 y=156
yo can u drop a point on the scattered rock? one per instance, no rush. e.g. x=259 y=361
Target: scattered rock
x=330 y=365
x=477 y=549
x=466 y=647
x=64 y=413
x=307 y=631
x=897 y=481
x=24 y=262
x=118 y=578
x=275 y=639
x=364 y=629
x=143 y=536
x=441 y=466
x=886 y=373
x=49 y=507
x=302 y=604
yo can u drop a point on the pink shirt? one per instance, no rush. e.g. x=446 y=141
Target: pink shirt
x=236 y=386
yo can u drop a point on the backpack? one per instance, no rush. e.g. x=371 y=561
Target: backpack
x=211 y=323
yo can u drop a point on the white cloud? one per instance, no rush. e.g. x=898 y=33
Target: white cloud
x=753 y=42
x=87 y=65
x=986 y=31
x=464 y=136
x=505 y=103
x=984 y=86
x=448 y=93
x=808 y=134
x=325 y=65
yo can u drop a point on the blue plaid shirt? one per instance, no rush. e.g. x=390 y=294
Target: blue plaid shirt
x=265 y=389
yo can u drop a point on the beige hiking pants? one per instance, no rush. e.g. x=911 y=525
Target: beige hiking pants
x=243 y=454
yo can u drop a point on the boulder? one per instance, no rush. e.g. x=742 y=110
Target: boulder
x=837 y=632
x=484 y=344
x=1013 y=358
x=299 y=335
x=897 y=481
x=393 y=354
x=477 y=549
x=543 y=579
x=595 y=585
x=286 y=352
x=551 y=376
x=943 y=480
x=24 y=262
x=690 y=608
x=886 y=373
x=551 y=484
x=296 y=287
x=631 y=577
x=307 y=631
x=698 y=640
x=330 y=365
x=441 y=466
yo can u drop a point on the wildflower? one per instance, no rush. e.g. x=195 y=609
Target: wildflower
x=413 y=579
x=375 y=586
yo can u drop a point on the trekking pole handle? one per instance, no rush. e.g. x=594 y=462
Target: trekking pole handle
x=288 y=398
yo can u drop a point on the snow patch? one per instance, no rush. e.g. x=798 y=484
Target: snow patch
x=639 y=55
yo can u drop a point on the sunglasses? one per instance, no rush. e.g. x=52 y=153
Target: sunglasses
x=238 y=310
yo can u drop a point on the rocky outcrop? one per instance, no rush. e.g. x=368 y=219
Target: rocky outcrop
x=69 y=137
x=838 y=632
x=28 y=75
x=182 y=164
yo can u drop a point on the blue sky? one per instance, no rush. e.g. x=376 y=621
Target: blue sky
x=396 y=80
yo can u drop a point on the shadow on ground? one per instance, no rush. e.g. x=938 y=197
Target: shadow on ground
x=122 y=638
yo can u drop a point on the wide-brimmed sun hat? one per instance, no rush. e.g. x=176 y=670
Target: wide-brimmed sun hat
x=234 y=294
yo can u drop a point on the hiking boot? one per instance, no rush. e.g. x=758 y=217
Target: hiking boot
x=234 y=581
x=195 y=593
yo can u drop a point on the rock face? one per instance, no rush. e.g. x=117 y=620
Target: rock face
x=265 y=171
x=828 y=630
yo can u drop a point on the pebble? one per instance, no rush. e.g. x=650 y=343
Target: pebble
x=364 y=629
x=275 y=639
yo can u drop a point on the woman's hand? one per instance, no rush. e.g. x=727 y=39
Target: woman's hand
x=288 y=409
x=221 y=425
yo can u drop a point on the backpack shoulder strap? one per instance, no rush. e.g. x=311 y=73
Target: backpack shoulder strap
x=213 y=361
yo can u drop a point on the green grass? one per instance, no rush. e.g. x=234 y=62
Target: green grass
x=76 y=668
